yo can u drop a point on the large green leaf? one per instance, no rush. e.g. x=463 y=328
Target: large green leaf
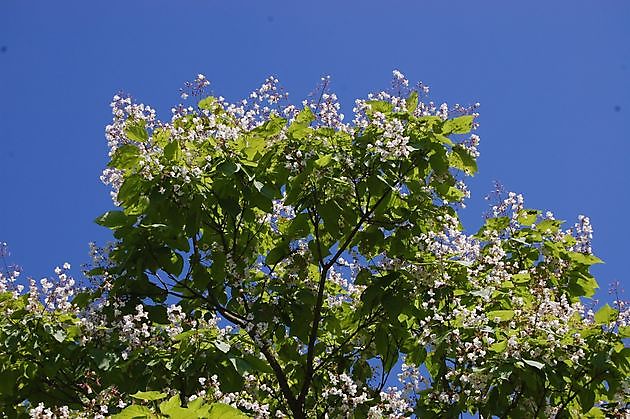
x=208 y=103
x=412 y=102
x=172 y=408
x=299 y=226
x=459 y=125
x=135 y=130
x=528 y=217
x=500 y=315
x=149 y=395
x=605 y=315
x=173 y=151
x=278 y=253
x=125 y=157
x=461 y=159
x=584 y=259
x=225 y=411
x=300 y=127
x=379 y=106
x=115 y=219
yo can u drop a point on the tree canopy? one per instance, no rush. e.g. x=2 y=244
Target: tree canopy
x=272 y=260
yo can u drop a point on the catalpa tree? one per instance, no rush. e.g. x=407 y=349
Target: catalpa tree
x=274 y=261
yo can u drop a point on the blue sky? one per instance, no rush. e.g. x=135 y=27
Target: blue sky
x=552 y=77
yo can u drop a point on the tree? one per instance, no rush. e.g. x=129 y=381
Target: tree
x=278 y=261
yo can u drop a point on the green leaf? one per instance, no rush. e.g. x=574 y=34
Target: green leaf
x=581 y=284
x=82 y=299
x=433 y=364
x=134 y=411
x=131 y=195
x=172 y=408
x=502 y=315
x=135 y=131
x=605 y=315
x=584 y=259
x=459 y=125
x=197 y=404
x=416 y=356
x=225 y=411
x=323 y=161
x=381 y=341
x=299 y=227
x=271 y=128
x=161 y=137
x=412 y=102
x=125 y=157
x=172 y=262
x=217 y=269
x=300 y=128
x=497 y=224
x=330 y=212
x=228 y=168
x=528 y=217
x=362 y=371
x=442 y=139
x=379 y=106
x=60 y=335
x=296 y=188
x=521 y=278
x=499 y=347
x=149 y=395
x=450 y=193
x=299 y=131
x=137 y=207
x=115 y=220
x=173 y=151
x=535 y=364
x=305 y=116
x=8 y=382
x=439 y=161
x=595 y=413
x=461 y=159
x=208 y=103
x=103 y=360
x=222 y=346
x=278 y=253
x=385 y=348
x=586 y=398
x=548 y=225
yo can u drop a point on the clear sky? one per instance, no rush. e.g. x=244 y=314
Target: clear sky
x=552 y=77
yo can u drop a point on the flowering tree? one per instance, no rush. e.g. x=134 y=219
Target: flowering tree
x=274 y=261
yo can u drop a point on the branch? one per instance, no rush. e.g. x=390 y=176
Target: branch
x=575 y=392
x=317 y=311
x=264 y=348
x=361 y=326
x=294 y=404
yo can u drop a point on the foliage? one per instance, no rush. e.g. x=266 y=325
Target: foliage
x=282 y=262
